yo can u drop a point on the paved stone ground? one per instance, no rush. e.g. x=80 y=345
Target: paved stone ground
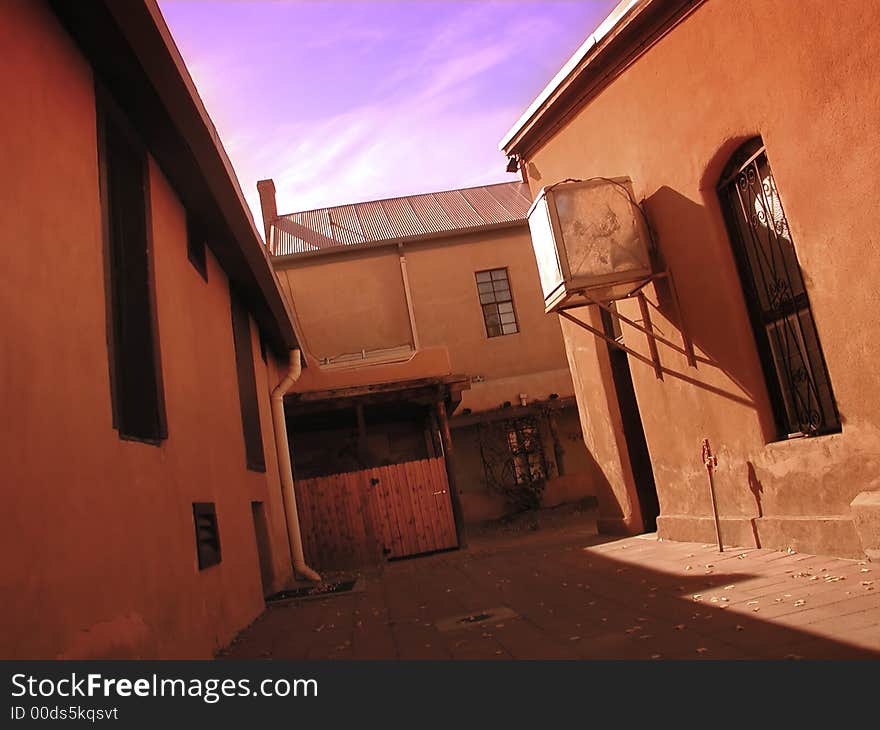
x=576 y=595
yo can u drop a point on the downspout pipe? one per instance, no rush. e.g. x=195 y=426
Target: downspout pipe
x=285 y=469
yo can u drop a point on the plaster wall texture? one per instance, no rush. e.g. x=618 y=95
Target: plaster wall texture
x=793 y=74
x=97 y=531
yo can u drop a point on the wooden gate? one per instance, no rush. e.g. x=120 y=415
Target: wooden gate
x=356 y=518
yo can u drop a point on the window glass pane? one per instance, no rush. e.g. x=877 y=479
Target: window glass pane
x=526 y=450
x=495 y=298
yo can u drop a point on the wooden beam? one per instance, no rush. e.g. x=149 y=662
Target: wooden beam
x=652 y=342
x=452 y=382
x=499 y=414
x=449 y=460
x=363 y=451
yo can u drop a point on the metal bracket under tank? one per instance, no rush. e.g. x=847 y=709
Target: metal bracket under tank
x=686 y=349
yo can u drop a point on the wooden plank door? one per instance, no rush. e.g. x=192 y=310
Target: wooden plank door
x=337 y=529
x=411 y=502
x=350 y=520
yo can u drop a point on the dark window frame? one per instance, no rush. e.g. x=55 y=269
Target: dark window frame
x=525 y=442
x=111 y=120
x=196 y=246
x=490 y=304
x=248 y=396
x=263 y=356
x=207 y=532
x=801 y=398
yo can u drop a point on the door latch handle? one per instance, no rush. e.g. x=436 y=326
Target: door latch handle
x=442 y=491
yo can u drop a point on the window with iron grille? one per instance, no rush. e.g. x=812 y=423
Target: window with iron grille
x=791 y=356
x=524 y=441
x=207 y=534
x=493 y=288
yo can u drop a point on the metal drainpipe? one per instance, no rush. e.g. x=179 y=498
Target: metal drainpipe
x=285 y=469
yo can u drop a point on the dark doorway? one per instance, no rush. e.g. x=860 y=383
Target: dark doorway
x=633 y=431
x=264 y=550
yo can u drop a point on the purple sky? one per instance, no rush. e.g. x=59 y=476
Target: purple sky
x=346 y=101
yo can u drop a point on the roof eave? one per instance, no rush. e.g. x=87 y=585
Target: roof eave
x=280 y=261
x=149 y=75
x=639 y=26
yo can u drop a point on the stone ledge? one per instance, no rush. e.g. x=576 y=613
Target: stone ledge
x=820 y=535
x=735 y=532
x=865 y=510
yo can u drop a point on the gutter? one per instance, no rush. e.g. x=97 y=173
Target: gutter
x=285 y=469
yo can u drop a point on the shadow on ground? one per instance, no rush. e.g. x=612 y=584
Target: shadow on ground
x=563 y=592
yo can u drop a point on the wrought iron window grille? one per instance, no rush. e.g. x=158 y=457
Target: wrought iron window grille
x=788 y=344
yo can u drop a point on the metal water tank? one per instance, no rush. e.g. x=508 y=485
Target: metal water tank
x=589 y=237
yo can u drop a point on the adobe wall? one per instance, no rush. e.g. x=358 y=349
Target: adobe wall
x=97 y=532
x=448 y=313
x=804 y=79
x=355 y=301
x=481 y=503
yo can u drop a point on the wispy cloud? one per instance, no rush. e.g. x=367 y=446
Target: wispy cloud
x=340 y=102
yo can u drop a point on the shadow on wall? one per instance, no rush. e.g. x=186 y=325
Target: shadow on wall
x=692 y=243
x=612 y=519
x=757 y=489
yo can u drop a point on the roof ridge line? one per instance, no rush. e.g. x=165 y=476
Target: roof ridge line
x=401 y=197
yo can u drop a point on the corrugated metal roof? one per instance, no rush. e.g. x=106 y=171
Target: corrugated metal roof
x=392 y=219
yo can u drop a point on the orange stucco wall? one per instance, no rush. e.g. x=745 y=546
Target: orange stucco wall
x=354 y=301
x=351 y=301
x=97 y=532
x=804 y=79
x=447 y=312
x=578 y=479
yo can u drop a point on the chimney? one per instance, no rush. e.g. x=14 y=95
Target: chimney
x=266 y=189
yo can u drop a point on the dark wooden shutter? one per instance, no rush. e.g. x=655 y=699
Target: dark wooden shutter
x=138 y=407
x=195 y=246
x=207 y=534
x=247 y=385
